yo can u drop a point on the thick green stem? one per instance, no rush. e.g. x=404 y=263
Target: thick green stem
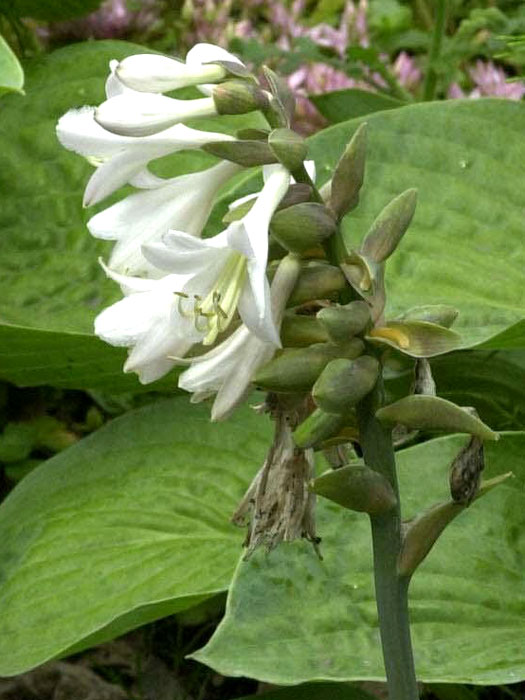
x=391 y=589
x=429 y=88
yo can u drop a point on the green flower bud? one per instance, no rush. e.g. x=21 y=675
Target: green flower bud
x=368 y=279
x=317 y=427
x=343 y=383
x=238 y=97
x=422 y=532
x=283 y=103
x=349 y=174
x=296 y=370
x=343 y=322
x=317 y=281
x=356 y=487
x=302 y=331
x=302 y=228
x=433 y=413
x=389 y=227
x=440 y=314
x=417 y=338
x=289 y=148
x=246 y=153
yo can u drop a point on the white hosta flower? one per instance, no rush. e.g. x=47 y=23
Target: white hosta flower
x=147 y=321
x=144 y=113
x=183 y=202
x=154 y=73
x=227 y=272
x=122 y=159
x=229 y=368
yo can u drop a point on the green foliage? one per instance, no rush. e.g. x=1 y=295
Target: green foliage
x=315 y=691
x=341 y=105
x=49 y=10
x=129 y=525
x=317 y=620
x=11 y=73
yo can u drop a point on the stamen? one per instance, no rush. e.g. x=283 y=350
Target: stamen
x=181 y=311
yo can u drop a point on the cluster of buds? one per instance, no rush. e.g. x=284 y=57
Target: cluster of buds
x=315 y=339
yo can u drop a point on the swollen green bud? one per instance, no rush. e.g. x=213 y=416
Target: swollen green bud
x=349 y=174
x=417 y=338
x=356 y=487
x=317 y=281
x=343 y=322
x=238 y=97
x=246 y=153
x=389 y=227
x=433 y=413
x=343 y=383
x=289 y=148
x=302 y=228
x=422 y=532
x=302 y=331
x=296 y=370
x=440 y=314
x=317 y=427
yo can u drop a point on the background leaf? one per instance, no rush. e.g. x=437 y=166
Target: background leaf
x=291 y=618
x=129 y=525
x=11 y=73
x=314 y=691
x=340 y=105
x=50 y=10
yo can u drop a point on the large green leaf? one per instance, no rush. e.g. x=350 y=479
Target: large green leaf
x=51 y=285
x=49 y=9
x=11 y=73
x=292 y=618
x=340 y=105
x=129 y=525
x=463 y=247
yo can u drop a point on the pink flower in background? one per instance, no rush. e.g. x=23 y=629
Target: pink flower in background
x=406 y=71
x=490 y=81
x=113 y=20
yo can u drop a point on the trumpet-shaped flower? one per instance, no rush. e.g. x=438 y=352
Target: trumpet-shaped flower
x=227 y=272
x=228 y=369
x=154 y=73
x=209 y=280
x=182 y=202
x=122 y=159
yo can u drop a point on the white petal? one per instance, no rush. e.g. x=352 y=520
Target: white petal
x=146 y=180
x=249 y=310
x=124 y=322
x=127 y=283
x=309 y=166
x=207 y=53
x=78 y=131
x=146 y=113
x=150 y=356
x=154 y=73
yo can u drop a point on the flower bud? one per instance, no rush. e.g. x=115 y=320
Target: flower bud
x=296 y=370
x=343 y=322
x=389 y=227
x=302 y=331
x=246 y=153
x=238 y=97
x=433 y=413
x=317 y=281
x=417 y=338
x=155 y=73
x=289 y=148
x=283 y=102
x=317 y=427
x=343 y=383
x=349 y=174
x=303 y=228
x=356 y=487
x=465 y=472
